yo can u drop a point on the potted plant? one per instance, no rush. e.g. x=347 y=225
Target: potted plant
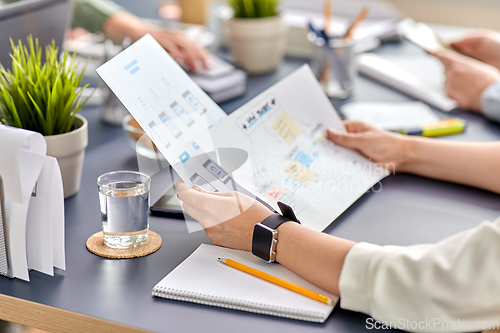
x=41 y=93
x=257 y=34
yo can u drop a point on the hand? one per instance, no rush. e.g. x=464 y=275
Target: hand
x=181 y=48
x=466 y=78
x=228 y=217
x=382 y=147
x=483 y=45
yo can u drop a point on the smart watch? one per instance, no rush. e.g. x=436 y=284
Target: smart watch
x=265 y=235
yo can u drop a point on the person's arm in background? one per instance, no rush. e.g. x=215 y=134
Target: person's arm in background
x=446 y=281
x=483 y=45
x=473 y=164
x=116 y=24
x=475 y=87
x=468 y=80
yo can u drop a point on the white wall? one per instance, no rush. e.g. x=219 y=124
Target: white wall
x=468 y=13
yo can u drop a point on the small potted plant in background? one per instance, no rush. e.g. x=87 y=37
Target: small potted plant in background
x=41 y=93
x=257 y=34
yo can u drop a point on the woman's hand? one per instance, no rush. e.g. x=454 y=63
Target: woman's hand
x=181 y=48
x=483 y=45
x=382 y=147
x=466 y=78
x=227 y=217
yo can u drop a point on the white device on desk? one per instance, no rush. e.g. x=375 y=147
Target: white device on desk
x=222 y=81
x=33 y=17
x=424 y=88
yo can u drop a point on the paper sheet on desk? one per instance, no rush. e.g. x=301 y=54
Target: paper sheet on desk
x=45 y=223
x=21 y=163
x=283 y=130
x=34 y=203
x=391 y=116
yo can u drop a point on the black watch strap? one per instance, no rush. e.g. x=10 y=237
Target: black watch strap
x=275 y=220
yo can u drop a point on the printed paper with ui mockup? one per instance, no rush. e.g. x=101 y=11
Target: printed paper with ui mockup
x=283 y=130
x=167 y=104
x=279 y=136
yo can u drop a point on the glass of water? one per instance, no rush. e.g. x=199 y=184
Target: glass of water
x=124 y=199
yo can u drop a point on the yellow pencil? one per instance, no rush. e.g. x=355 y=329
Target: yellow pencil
x=360 y=18
x=277 y=281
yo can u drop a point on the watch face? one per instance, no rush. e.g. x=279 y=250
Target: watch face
x=262 y=241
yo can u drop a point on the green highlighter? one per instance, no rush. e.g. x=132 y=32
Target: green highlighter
x=437 y=128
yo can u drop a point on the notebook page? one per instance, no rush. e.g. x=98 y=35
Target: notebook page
x=202 y=277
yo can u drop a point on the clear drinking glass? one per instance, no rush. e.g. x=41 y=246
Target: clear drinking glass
x=333 y=64
x=124 y=199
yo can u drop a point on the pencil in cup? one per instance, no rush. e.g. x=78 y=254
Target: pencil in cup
x=277 y=281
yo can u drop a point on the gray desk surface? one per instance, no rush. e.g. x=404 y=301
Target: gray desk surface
x=408 y=210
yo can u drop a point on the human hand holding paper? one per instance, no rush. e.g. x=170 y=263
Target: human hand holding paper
x=382 y=147
x=227 y=217
x=483 y=45
x=466 y=78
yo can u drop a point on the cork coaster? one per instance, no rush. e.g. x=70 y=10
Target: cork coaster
x=95 y=244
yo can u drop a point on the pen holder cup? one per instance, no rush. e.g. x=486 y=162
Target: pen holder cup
x=334 y=65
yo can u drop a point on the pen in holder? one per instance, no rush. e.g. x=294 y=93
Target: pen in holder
x=333 y=64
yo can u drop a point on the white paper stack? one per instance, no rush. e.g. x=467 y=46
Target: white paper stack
x=34 y=203
x=222 y=81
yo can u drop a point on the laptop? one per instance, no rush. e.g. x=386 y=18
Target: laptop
x=46 y=20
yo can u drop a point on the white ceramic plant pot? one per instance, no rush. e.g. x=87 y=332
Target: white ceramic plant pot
x=258 y=44
x=69 y=149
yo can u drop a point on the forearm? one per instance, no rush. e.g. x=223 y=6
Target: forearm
x=473 y=164
x=317 y=257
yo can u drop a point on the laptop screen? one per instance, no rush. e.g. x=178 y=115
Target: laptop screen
x=46 y=20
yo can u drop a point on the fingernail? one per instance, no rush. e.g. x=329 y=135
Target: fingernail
x=333 y=131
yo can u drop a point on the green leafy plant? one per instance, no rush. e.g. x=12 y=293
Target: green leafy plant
x=40 y=96
x=254 y=8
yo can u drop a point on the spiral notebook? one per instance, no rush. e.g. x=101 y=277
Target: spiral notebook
x=204 y=280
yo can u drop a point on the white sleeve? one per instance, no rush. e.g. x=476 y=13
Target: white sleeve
x=430 y=287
